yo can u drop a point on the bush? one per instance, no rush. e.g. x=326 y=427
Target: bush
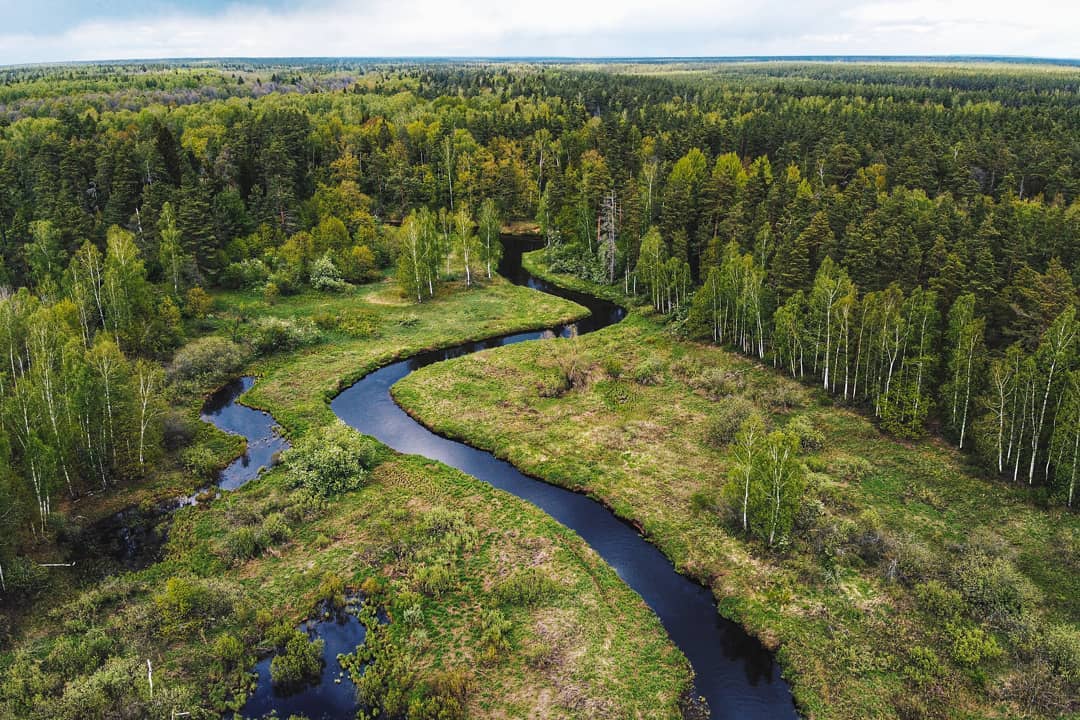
x=176 y=430
x=198 y=303
x=240 y=545
x=810 y=438
x=208 y=360
x=528 y=586
x=269 y=335
x=332 y=590
x=971 y=645
x=228 y=651
x=612 y=366
x=993 y=587
x=725 y=421
x=276 y=528
x=286 y=279
x=248 y=273
x=493 y=634
x=1060 y=647
x=650 y=372
x=200 y=460
x=301 y=662
x=188 y=605
x=434 y=580
x=939 y=601
x=849 y=468
x=325 y=275
x=923 y=666
x=331 y=461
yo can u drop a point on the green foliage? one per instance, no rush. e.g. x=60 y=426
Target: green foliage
x=333 y=460
x=208 y=361
x=527 y=586
x=187 y=605
x=272 y=334
x=301 y=661
x=326 y=276
x=724 y=423
x=970 y=645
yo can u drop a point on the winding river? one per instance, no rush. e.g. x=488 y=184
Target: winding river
x=735 y=674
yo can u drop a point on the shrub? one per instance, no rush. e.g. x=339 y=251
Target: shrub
x=971 y=645
x=176 y=430
x=248 y=273
x=331 y=461
x=301 y=662
x=923 y=666
x=200 y=460
x=1060 y=647
x=198 y=303
x=325 y=275
x=650 y=372
x=276 y=528
x=187 y=605
x=528 y=586
x=354 y=322
x=228 y=651
x=241 y=545
x=269 y=335
x=493 y=634
x=207 y=360
x=286 y=279
x=332 y=590
x=992 y=586
x=725 y=421
x=940 y=601
x=849 y=468
x=810 y=438
x=434 y=579
x=612 y=366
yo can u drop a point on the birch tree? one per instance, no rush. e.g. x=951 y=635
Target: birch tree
x=490 y=224
x=964 y=344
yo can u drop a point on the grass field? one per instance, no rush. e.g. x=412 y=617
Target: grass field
x=883 y=518
x=449 y=557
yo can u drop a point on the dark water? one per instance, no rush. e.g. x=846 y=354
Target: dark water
x=734 y=673
x=326 y=699
x=263 y=439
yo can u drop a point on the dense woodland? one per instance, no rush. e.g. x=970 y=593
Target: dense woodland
x=906 y=238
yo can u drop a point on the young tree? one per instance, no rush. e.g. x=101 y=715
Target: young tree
x=149 y=381
x=965 y=342
x=171 y=249
x=747 y=450
x=490 y=225
x=410 y=265
x=779 y=487
x=466 y=240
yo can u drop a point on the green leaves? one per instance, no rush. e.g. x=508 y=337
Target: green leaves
x=331 y=461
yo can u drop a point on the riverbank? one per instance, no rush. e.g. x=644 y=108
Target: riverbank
x=854 y=637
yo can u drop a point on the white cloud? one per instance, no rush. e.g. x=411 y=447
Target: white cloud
x=572 y=27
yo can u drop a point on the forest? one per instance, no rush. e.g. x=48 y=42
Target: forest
x=902 y=239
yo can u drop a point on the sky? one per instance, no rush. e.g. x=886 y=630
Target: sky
x=59 y=30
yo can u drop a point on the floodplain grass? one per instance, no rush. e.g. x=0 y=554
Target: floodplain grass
x=634 y=435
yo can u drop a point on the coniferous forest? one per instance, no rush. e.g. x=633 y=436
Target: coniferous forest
x=805 y=251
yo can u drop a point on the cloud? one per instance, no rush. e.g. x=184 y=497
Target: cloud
x=565 y=28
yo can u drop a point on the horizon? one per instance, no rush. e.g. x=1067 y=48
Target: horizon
x=860 y=58
x=67 y=31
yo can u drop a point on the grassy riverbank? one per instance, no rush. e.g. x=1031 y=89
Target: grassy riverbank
x=490 y=600
x=886 y=525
